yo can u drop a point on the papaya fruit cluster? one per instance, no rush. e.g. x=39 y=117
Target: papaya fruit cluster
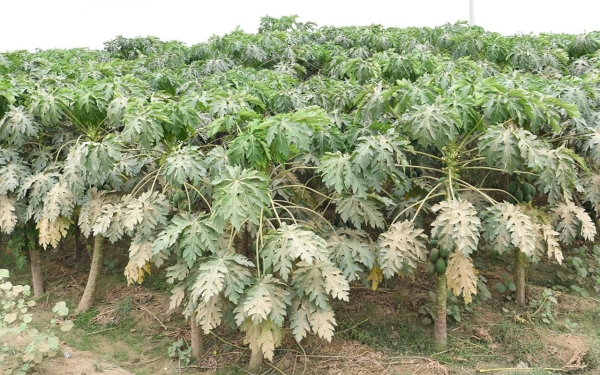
x=177 y=197
x=438 y=259
x=522 y=191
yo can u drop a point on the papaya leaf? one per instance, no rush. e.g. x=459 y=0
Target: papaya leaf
x=456 y=225
x=240 y=195
x=461 y=276
x=401 y=248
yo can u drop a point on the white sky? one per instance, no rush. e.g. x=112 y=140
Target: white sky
x=30 y=24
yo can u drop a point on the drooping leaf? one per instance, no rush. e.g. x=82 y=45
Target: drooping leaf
x=263 y=336
x=52 y=231
x=559 y=177
x=315 y=281
x=144 y=213
x=322 y=322
x=16 y=125
x=140 y=253
x=14 y=174
x=572 y=221
x=60 y=200
x=209 y=314
x=143 y=123
x=8 y=217
x=500 y=148
x=378 y=157
x=461 y=276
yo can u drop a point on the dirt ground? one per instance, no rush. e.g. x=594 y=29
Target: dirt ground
x=132 y=338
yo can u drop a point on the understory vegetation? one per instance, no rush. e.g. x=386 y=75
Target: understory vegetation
x=302 y=183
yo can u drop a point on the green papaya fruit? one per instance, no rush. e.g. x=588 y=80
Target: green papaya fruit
x=431 y=269
x=434 y=255
x=444 y=253
x=176 y=199
x=434 y=241
x=527 y=198
x=519 y=195
x=440 y=266
x=512 y=188
x=514 y=177
x=530 y=189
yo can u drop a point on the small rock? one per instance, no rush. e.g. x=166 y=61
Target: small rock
x=67 y=355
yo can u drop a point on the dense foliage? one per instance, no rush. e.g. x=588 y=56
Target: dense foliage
x=265 y=173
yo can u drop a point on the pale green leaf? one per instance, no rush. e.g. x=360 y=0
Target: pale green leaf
x=240 y=195
x=351 y=252
x=263 y=336
x=290 y=243
x=338 y=172
x=456 y=225
x=506 y=226
x=401 y=248
x=266 y=299
x=360 y=210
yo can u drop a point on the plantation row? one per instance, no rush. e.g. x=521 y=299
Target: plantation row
x=265 y=173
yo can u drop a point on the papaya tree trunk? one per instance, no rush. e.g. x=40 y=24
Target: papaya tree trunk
x=76 y=240
x=440 y=335
x=256 y=359
x=90 y=288
x=197 y=339
x=245 y=242
x=37 y=276
x=519 y=275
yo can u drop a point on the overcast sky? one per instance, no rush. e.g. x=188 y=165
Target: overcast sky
x=30 y=24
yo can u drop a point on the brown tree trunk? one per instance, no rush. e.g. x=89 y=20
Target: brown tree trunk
x=197 y=339
x=245 y=242
x=256 y=359
x=76 y=240
x=87 y=299
x=519 y=275
x=37 y=276
x=440 y=336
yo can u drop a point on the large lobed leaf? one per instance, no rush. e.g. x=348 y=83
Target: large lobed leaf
x=266 y=299
x=456 y=225
x=222 y=272
x=338 y=172
x=319 y=280
x=506 y=226
x=185 y=164
x=401 y=248
x=351 y=251
x=240 y=195
x=289 y=244
x=572 y=221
